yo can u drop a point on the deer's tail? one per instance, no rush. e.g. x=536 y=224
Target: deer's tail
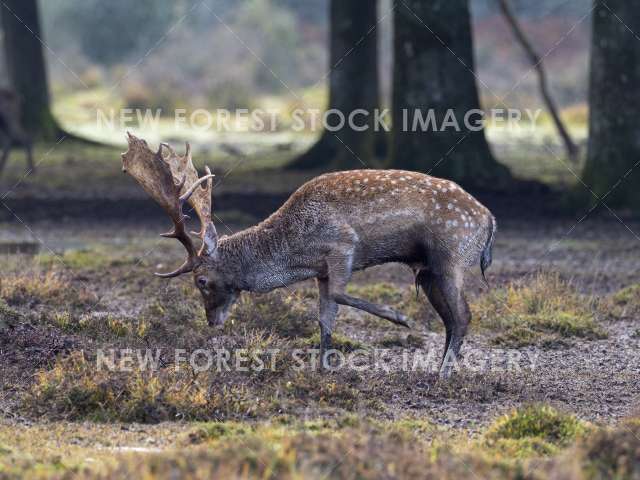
x=486 y=258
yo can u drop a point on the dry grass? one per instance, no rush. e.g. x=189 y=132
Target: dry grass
x=76 y=389
x=613 y=452
x=543 y=311
x=49 y=287
x=344 y=447
x=285 y=313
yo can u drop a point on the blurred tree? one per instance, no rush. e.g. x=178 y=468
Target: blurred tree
x=612 y=169
x=353 y=85
x=275 y=40
x=434 y=70
x=26 y=66
x=311 y=11
x=111 y=31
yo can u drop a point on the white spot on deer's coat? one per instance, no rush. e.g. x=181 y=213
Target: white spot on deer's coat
x=449 y=206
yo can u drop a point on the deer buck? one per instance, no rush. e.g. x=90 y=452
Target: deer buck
x=11 y=132
x=330 y=227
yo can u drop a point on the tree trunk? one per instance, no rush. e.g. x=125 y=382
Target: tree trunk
x=353 y=85
x=26 y=66
x=614 y=103
x=433 y=74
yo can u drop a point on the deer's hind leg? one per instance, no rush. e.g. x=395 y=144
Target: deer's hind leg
x=328 y=309
x=444 y=291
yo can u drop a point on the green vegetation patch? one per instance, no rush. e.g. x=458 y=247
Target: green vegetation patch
x=94 y=258
x=536 y=430
x=626 y=302
x=544 y=311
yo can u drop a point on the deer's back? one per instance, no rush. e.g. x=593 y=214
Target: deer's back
x=394 y=215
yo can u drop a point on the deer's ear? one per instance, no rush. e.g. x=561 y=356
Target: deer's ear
x=209 y=240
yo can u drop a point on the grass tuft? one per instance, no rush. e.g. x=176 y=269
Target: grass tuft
x=284 y=313
x=43 y=288
x=626 y=302
x=75 y=388
x=613 y=452
x=546 y=311
x=533 y=430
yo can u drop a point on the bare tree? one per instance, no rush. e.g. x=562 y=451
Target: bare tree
x=537 y=63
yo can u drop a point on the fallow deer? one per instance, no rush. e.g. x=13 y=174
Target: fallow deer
x=330 y=227
x=11 y=131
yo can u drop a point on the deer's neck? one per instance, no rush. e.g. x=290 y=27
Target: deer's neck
x=262 y=258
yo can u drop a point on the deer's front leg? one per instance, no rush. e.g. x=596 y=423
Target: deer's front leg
x=335 y=283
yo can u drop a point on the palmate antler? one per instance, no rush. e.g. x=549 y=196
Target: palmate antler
x=172 y=181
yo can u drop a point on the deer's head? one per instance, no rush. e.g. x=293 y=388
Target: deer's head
x=172 y=180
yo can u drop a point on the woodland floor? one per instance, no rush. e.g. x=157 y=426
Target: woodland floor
x=559 y=329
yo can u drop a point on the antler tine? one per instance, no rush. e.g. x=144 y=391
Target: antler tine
x=186 y=267
x=185 y=197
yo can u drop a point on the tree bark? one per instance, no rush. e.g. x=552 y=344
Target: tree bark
x=434 y=70
x=26 y=66
x=353 y=85
x=614 y=103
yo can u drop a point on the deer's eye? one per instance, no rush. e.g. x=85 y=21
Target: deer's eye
x=202 y=282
